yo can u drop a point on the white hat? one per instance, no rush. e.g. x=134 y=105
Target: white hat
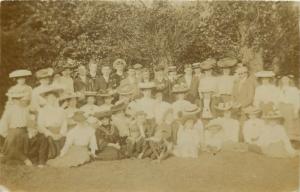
x=20 y=73
x=268 y=74
x=147 y=85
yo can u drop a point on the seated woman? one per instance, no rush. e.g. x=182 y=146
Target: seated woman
x=157 y=147
x=140 y=129
x=274 y=141
x=52 y=127
x=68 y=102
x=15 y=121
x=213 y=138
x=253 y=127
x=188 y=136
x=78 y=142
x=107 y=136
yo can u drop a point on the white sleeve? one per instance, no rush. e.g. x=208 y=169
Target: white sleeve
x=68 y=143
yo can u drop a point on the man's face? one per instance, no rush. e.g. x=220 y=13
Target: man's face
x=226 y=71
x=93 y=68
x=91 y=100
x=105 y=70
x=66 y=73
x=146 y=75
x=188 y=71
x=82 y=71
x=131 y=72
x=21 y=81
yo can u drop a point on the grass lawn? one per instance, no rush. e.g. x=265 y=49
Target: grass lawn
x=227 y=171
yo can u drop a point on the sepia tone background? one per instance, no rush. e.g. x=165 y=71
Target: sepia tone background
x=39 y=34
x=260 y=34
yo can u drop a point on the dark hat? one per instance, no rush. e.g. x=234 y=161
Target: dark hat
x=106 y=93
x=102 y=114
x=125 y=89
x=79 y=116
x=118 y=107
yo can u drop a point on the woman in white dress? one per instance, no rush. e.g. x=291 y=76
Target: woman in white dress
x=289 y=105
x=274 y=141
x=188 y=135
x=266 y=94
x=69 y=103
x=80 y=144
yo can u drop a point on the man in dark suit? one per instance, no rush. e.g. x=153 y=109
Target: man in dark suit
x=192 y=83
x=105 y=81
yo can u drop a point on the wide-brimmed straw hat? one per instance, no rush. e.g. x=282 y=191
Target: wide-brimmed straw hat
x=190 y=112
x=68 y=95
x=196 y=65
x=227 y=62
x=272 y=114
x=44 y=73
x=265 y=74
x=147 y=85
x=180 y=88
x=90 y=93
x=213 y=126
x=20 y=73
x=137 y=66
x=125 y=89
x=172 y=68
x=51 y=89
x=224 y=106
x=252 y=110
x=106 y=93
x=79 y=116
x=102 y=114
x=118 y=107
x=208 y=64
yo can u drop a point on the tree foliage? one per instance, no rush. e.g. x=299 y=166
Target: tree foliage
x=35 y=34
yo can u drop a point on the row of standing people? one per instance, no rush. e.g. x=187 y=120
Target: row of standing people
x=48 y=135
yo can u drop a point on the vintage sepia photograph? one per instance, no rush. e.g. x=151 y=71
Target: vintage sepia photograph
x=149 y=96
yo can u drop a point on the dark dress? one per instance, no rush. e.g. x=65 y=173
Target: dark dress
x=104 y=136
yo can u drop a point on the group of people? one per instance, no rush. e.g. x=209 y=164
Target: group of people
x=133 y=111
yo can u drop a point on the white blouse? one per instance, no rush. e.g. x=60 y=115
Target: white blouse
x=290 y=95
x=252 y=129
x=52 y=117
x=160 y=109
x=80 y=136
x=230 y=127
x=266 y=94
x=207 y=83
x=225 y=84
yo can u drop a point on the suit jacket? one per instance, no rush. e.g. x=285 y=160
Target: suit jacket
x=192 y=94
x=243 y=92
x=101 y=83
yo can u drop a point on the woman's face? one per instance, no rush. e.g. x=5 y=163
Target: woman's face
x=21 y=81
x=120 y=67
x=82 y=71
x=285 y=81
x=105 y=121
x=208 y=72
x=105 y=70
x=227 y=113
x=159 y=96
x=51 y=98
x=169 y=117
x=66 y=72
x=45 y=81
x=188 y=71
x=146 y=75
x=108 y=100
x=91 y=100
x=146 y=92
x=189 y=123
x=226 y=71
x=265 y=81
x=140 y=118
x=72 y=102
x=131 y=72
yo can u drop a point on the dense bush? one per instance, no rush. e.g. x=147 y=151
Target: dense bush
x=36 y=34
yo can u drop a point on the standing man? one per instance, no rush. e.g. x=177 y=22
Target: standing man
x=119 y=74
x=192 y=83
x=161 y=82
